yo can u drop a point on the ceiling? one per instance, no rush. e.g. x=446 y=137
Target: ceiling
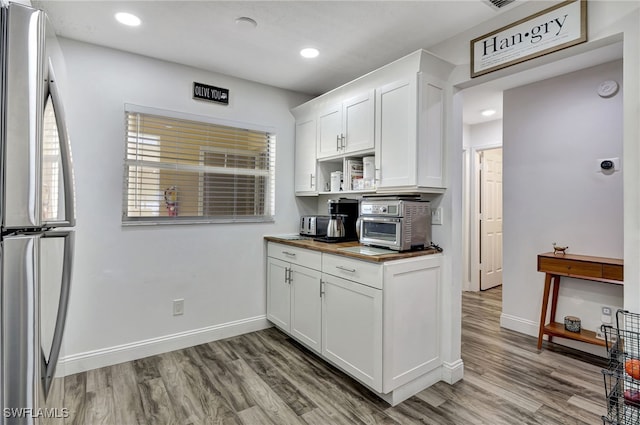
x=354 y=37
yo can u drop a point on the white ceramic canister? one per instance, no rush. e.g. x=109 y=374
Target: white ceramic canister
x=336 y=181
x=368 y=171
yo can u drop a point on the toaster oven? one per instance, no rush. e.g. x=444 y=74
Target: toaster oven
x=397 y=224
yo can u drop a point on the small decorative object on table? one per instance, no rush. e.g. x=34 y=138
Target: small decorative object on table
x=559 y=250
x=572 y=323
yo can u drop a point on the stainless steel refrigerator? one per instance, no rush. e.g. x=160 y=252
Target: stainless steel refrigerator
x=37 y=210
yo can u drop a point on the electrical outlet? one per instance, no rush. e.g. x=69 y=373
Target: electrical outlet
x=611 y=337
x=436 y=215
x=606 y=317
x=178 y=307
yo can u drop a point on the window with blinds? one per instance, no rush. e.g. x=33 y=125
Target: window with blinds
x=183 y=170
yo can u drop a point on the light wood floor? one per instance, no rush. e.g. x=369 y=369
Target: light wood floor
x=265 y=378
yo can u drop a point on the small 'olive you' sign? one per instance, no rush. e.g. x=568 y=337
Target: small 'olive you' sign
x=210 y=93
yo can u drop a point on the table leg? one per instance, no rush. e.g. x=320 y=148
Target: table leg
x=554 y=297
x=554 y=300
x=545 y=302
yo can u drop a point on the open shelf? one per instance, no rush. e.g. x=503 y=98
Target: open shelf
x=557 y=329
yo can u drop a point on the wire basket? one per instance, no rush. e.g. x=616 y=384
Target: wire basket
x=622 y=378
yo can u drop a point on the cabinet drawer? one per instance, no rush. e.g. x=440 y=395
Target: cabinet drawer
x=369 y=274
x=570 y=267
x=292 y=254
x=612 y=271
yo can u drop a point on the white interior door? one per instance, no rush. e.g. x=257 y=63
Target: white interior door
x=491 y=218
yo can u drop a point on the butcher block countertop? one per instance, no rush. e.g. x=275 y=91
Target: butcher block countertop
x=375 y=255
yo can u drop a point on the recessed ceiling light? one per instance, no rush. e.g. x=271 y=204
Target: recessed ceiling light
x=128 y=19
x=309 y=52
x=488 y=112
x=246 y=22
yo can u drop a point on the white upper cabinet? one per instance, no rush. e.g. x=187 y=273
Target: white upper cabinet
x=396 y=134
x=358 y=123
x=346 y=127
x=330 y=131
x=431 y=113
x=305 y=156
x=410 y=134
x=396 y=113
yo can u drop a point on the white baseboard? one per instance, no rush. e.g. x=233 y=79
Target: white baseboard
x=518 y=324
x=452 y=372
x=411 y=388
x=82 y=362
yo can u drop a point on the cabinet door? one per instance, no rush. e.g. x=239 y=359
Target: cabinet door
x=278 y=294
x=330 y=131
x=306 y=306
x=431 y=131
x=305 y=156
x=357 y=117
x=412 y=309
x=352 y=329
x=396 y=130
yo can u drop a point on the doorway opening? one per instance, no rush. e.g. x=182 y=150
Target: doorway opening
x=489 y=218
x=484 y=212
x=530 y=143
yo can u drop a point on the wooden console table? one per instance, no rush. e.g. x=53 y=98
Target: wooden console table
x=599 y=269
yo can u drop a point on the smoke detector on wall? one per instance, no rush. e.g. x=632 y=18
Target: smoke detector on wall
x=498 y=4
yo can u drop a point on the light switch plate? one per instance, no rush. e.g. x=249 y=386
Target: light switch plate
x=436 y=215
x=178 y=307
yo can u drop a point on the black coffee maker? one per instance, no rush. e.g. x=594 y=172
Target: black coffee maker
x=343 y=214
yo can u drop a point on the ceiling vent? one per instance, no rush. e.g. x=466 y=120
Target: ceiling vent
x=498 y=4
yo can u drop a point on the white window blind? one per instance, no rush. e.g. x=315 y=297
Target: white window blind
x=179 y=170
x=52 y=192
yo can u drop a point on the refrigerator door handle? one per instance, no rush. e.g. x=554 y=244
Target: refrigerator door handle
x=50 y=366
x=65 y=151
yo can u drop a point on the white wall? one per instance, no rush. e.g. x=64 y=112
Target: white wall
x=555 y=131
x=126 y=278
x=485 y=135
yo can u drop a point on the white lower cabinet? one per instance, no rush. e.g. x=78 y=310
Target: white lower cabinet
x=412 y=320
x=352 y=329
x=293 y=293
x=306 y=306
x=378 y=322
x=278 y=294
